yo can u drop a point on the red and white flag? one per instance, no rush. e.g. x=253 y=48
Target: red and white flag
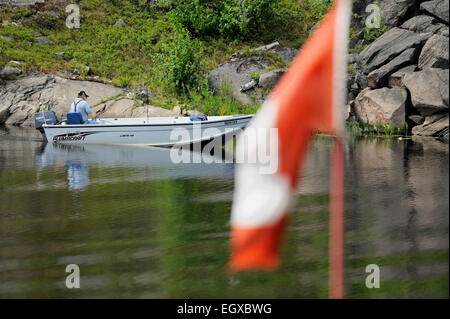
x=309 y=97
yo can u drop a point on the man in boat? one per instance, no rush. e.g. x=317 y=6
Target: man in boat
x=80 y=105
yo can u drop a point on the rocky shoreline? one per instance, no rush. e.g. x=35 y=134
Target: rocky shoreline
x=400 y=80
x=21 y=98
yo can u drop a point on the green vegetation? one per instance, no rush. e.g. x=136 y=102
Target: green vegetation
x=381 y=130
x=228 y=18
x=357 y=49
x=351 y=69
x=167 y=46
x=180 y=62
x=221 y=103
x=371 y=34
x=255 y=76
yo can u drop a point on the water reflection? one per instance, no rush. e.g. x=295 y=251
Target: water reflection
x=398 y=209
x=79 y=158
x=140 y=226
x=77 y=175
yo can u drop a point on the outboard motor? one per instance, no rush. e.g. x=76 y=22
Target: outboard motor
x=46 y=117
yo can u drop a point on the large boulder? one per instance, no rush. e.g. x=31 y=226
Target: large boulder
x=236 y=73
x=396 y=78
x=422 y=24
x=438 y=8
x=394 y=10
x=269 y=79
x=379 y=77
x=381 y=106
x=288 y=54
x=115 y=108
x=416 y=119
x=21 y=111
x=388 y=46
x=24 y=89
x=435 y=125
x=43 y=91
x=64 y=91
x=443 y=30
x=434 y=53
x=5 y=103
x=9 y=72
x=429 y=90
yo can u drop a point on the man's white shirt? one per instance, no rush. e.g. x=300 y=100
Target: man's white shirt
x=82 y=107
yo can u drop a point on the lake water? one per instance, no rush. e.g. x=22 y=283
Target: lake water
x=139 y=226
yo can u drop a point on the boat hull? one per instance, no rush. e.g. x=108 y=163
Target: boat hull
x=163 y=132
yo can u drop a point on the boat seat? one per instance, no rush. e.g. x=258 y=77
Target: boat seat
x=198 y=118
x=74 y=118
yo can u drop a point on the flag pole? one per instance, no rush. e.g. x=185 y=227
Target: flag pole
x=336 y=245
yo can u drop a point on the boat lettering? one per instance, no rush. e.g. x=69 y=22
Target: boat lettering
x=127 y=135
x=69 y=138
x=78 y=136
x=230 y=122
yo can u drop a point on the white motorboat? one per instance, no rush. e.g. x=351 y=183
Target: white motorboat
x=154 y=131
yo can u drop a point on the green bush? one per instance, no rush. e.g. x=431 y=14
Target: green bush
x=180 y=61
x=228 y=18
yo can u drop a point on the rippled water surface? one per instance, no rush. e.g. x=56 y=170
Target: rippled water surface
x=139 y=226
